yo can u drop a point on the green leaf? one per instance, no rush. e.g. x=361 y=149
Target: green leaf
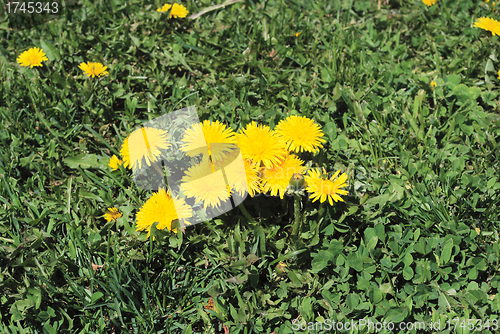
x=352 y=301
x=446 y=252
x=396 y=315
x=408 y=273
x=354 y=262
x=96 y=296
x=85 y=160
x=330 y=129
x=49 y=50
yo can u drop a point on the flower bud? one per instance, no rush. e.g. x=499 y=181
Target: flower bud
x=297 y=182
x=280 y=269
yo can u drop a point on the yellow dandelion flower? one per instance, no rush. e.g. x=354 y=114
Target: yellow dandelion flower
x=143 y=143
x=433 y=84
x=277 y=178
x=261 y=145
x=297 y=34
x=93 y=69
x=205 y=185
x=489 y=24
x=498 y=74
x=429 y=2
x=114 y=162
x=112 y=214
x=323 y=188
x=300 y=134
x=163 y=209
x=177 y=10
x=243 y=176
x=198 y=140
x=32 y=57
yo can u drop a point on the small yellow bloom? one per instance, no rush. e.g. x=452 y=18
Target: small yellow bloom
x=32 y=57
x=297 y=34
x=433 y=84
x=112 y=214
x=177 y=10
x=489 y=24
x=498 y=74
x=321 y=187
x=429 y=2
x=114 y=162
x=93 y=69
x=163 y=208
x=300 y=134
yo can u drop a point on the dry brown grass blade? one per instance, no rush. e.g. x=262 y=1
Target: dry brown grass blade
x=209 y=9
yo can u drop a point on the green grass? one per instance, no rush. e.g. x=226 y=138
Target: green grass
x=416 y=239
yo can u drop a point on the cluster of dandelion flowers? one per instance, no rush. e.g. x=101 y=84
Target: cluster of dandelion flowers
x=205 y=185
x=144 y=143
x=114 y=162
x=300 y=134
x=261 y=145
x=489 y=24
x=32 y=57
x=162 y=208
x=321 y=187
x=429 y=3
x=198 y=138
x=277 y=178
x=177 y=10
x=93 y=69
x=112 y=214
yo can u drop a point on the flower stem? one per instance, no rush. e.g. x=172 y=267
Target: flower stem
x=321 y=210
x=298 y=216
x=246 y=214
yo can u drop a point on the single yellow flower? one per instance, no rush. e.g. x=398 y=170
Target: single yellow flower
x=114 y=162
x=112 y=214
x=205 y=185
x=177 y=10
x=32 y=57
x=321 y=187
x=498 y=74
x=300 y=134
x=93 y=69
x=213 y=137
x=297 y=34
x=489 y=24
x=243 y=176
x=433 y=84
x=261 y=145
x=163 y=209
x=429 y=2
x=277 y=178
x=143 y=143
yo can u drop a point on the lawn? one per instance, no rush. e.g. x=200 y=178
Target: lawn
x=404 y=97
